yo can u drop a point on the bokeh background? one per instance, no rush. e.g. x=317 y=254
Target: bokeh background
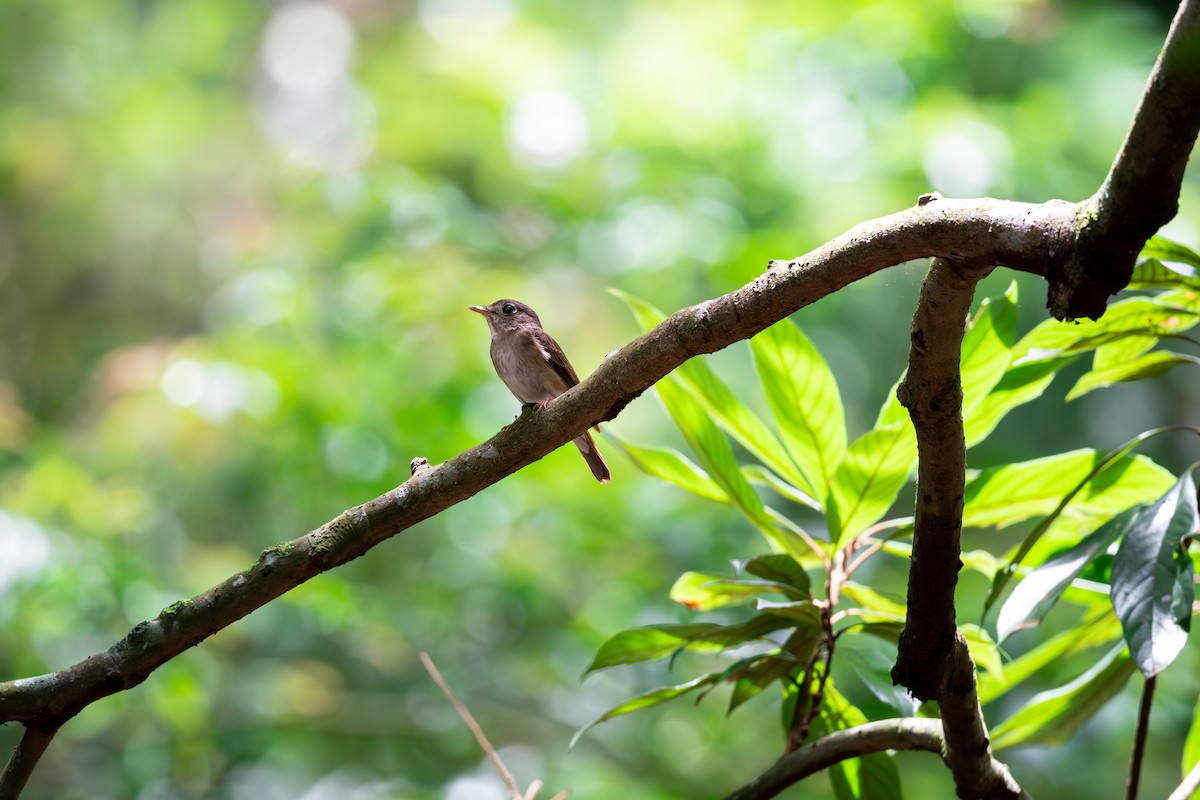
x=237 y=243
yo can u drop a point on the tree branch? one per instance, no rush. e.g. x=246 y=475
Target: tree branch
x=1141 y=192
x=932 y=393
x=24 y=758
x=933 y=661
x=1052 y=239
x=908 y=733
x=985 y=230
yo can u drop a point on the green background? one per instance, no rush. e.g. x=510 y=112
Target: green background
x=237 y=243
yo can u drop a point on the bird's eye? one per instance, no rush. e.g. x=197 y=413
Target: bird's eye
x=508 y=309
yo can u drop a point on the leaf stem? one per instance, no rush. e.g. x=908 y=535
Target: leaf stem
x=1139 y=739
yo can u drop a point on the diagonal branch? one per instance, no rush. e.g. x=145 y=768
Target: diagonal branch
x=25 y=757
x=908 y=733
x=989 y=230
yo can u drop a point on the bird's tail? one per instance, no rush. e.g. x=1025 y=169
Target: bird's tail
x=592 y=456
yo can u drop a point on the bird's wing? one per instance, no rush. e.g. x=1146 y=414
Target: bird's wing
x=555 y=357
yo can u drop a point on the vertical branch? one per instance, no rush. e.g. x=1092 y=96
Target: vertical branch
x=932 y=393
x=933 y=661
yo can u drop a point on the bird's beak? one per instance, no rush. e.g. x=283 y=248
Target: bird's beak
x=479 y=309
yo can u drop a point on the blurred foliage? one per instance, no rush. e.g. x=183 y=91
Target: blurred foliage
x=236 y=245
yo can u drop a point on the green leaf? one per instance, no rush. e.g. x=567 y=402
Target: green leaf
x=1022 y=383
x=1051 y=717
x=1146 y=366
x=987 y=348
x=778 y=567
x=1002 y=496
x=647 y=315
x=716 y=456
x=652 y=642
x=702 y=591
x=753 y=629
x=869 y=777
x=1040 y=589
x=872 y=600
x=1112 y=456
x=672 y=467
x=1191 y=745
x=1164 y=249
x=726 y=410
x=760 y=475
x=1153 y=578
x=1098 y=628
x=862 y=659
x=648 y=643
x=1150 y=273
x=804 y=398
x=868 y=479
x=802 y=611
x=983 y=650
x=651 y=698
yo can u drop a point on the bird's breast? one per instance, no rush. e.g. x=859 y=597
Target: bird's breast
x=523 y=367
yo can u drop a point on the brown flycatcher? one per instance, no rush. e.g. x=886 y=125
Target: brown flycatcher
x=533 y=366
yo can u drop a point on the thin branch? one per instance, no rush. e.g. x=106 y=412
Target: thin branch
x=1189 y=786
x=1139 y=739
x=477 y=731
x=908 y=733
x=25 y=757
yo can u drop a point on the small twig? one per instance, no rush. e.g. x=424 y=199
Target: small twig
x=24 y=758
x=1189 y=785
x=1139 y=739
x=492 y=755
x=874 y=544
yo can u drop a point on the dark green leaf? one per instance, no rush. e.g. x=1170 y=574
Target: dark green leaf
x=778 y=567
x=651 y=698
x=788 y=662
x=648 y=643
x=1040 y=589
x=870 y=777
x=1153 y=585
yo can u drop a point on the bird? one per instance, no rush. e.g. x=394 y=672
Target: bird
x=534 y=367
